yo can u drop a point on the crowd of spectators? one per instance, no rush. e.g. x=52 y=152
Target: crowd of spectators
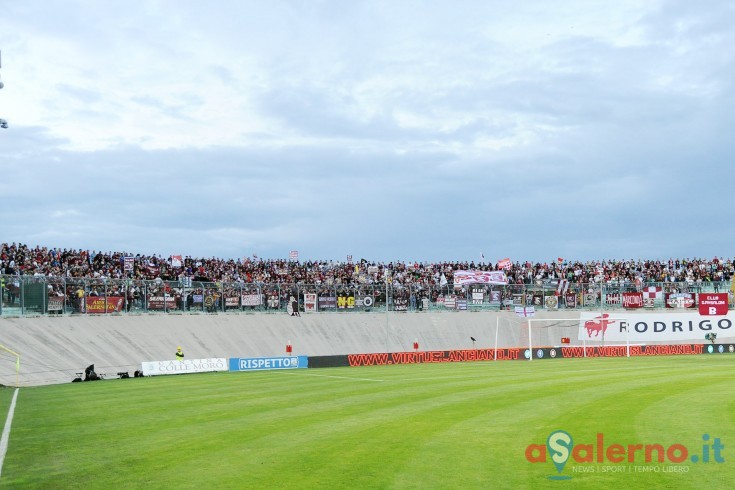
x=20 y=259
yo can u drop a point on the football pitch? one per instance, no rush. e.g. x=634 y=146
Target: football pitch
x=453 y=425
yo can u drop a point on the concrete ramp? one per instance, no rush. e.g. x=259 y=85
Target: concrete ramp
x=54 y=349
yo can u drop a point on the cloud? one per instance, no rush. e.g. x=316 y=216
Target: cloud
x=411 y=130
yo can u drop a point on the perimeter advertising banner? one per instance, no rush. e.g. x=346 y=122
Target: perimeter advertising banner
x=266 y=363
x=642 y=327
x=154 y=368
x=518 y=354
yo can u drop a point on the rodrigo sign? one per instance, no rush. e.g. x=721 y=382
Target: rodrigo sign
x=265 y=363
x=645 y=327
x=154 y=368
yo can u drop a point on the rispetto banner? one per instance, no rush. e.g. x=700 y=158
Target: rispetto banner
x=640 y=327
x=265 y=363
x=154 y=368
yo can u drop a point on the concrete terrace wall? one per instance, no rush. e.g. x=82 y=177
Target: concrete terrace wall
x=53 y=348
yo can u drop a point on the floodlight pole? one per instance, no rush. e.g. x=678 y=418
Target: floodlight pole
x=387 y=325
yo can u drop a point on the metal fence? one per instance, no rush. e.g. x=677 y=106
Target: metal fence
x=30 y=295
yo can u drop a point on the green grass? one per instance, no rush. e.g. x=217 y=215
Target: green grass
x=464 y=425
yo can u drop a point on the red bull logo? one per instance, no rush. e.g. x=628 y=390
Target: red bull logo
x=598 y=325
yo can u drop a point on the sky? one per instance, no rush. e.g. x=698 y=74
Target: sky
x=385 y=130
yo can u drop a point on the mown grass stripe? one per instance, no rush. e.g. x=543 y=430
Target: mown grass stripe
x=424 y=426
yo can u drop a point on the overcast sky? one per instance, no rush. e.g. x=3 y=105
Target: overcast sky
x=397 y=130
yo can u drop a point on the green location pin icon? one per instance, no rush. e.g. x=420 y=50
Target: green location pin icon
x=559 y=445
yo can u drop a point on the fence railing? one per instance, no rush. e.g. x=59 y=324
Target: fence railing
x=30 y=295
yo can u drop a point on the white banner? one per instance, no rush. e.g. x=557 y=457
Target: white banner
x=480 y=277
x=647 y=327
x=251 y=299
x=525 y=311
x=153 y=368
x=310 y=302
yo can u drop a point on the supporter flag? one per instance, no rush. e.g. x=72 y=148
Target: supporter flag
x=560 y=259
x=176 y=261
x=680 y=300
x=349 y=259
x=562 y=288
x=293 y=255
x=504 y=263
x=632 y=300
x=652 y=292
x=525 y=311
x=713 y=304
x=443 y=281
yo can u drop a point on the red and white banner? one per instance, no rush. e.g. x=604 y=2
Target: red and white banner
x=681 y=300
x=176 y=261
x=652 y=292
x=561 y=289
x=450 y=302
x=293 y=255
x=632 y=300
x=96 y=304
x=480 y=277
x=645 y=327
x=310 y=302
x=713 y=304
x=525 y=311
x=504 y=263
